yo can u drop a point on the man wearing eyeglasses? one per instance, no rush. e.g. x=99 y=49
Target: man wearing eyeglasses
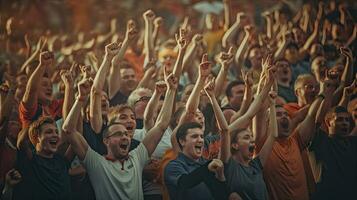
x=118 y=175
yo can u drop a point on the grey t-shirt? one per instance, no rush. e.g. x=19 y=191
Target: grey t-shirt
x=247 y=181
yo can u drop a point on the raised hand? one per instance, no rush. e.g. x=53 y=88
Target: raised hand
x=41 y=44
x=149 y=15
x=248 y=29
x=160 y=87
x=13 y=177
x=346 y=52
x=131 y=30
x=327 y=87
x=217 y=167
x=267 y=62
x=66 y=77
x=158 y=21
x=84 y=87
x=197 y=38
x=226 y=58
x=171 y=82
x=248 y=78
x=85 y=71
x=205 y=67
x=209 y=88
x=112 y=49
x=46 y=58
x=272 y=96
x=348 y=91
x=240 y=17
x=181 y=39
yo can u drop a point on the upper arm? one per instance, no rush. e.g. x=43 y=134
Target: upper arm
x=152 y=138
x=95 y=110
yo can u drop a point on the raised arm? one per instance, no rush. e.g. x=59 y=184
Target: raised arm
x=152 y=105
x=30 y=97
x=182 y=44
x=243 y=45
x=190 y=56
x=194 y=99
x=68 y=100
x=78 y=143
x=114 y=73
x=149 y=17
x=154 y=135
x=231 y=33
x=244 y=121
x=227 y=14
x=247 y=98
x=95 y=111
x=226 y=60
x=347 y=93
x=157 y=25
x=272 y=131
x=40 y=45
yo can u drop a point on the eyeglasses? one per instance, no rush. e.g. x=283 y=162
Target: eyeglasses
x=143 y=98
x=118 y=134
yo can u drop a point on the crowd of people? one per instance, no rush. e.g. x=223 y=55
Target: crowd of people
x=206 y=101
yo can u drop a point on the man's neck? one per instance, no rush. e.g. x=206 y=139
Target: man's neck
x=239 y=158
x=44 y=154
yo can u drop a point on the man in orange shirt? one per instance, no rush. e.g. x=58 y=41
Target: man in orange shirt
x=284 y=172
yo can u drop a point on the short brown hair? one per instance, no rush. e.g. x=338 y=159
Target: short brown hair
x=114 y=111
x=35 y=127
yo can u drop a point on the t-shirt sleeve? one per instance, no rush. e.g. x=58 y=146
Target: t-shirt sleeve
x=172 y=173
x=141 y=154
x=91 y=160
x=26 y=114
x=317 y=143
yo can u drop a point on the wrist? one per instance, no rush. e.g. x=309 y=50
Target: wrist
x=81 y=98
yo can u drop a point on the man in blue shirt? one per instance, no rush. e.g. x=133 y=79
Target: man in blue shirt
x=190 y=176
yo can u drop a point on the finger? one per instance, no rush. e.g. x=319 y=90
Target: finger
x=230 y=51
x=204 y=58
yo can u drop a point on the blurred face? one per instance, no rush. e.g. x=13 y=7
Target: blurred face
x=200 y=118
x=318 y=68
x=284 y=122
x=141 y=103
x=118 y=141
x=307 y=91
x=337 y=32
x=105 y=103
x=284 y=72
x=237 y=96
x=255 y=56
x=244 y=145
x=340 y=124
x=127 y=118
x=48 y=140
x=128 y=80
x=13 y=129
x=45 y=92
x=291 y=55
x=192 y=145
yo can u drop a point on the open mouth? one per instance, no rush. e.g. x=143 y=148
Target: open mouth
x=130 y=128
x=198 y=148
x=251 y=148
x=124 y=146
x=53 y=141
x=284 y=123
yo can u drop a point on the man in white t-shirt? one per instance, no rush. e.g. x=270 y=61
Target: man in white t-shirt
x=118 y=175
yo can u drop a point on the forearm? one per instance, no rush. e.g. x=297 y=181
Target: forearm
x=221 y=78
x=247 y=100
x=32 y=87
x=194 y=99
x=187 y=181
x=189 y=56
x=150 y=110
x=166 y=110
x=177 y=71
x=70 y=123
x=221 y=120
x=148 y=41
x=29 y=60
x=273 y=133
x=227 y=14
x=219 y=189
x=7 y=193
x=322 y=109
x=279 y=52
x=95 y=111
x=229 y=35
x=102 y=73
x=347 y=75
x=68 y=100
x=241 y=49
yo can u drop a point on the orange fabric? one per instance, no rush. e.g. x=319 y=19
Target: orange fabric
x=169 y=155
x=28 y=115
x=292 y=108
x=137 y=62
x=284 y=171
